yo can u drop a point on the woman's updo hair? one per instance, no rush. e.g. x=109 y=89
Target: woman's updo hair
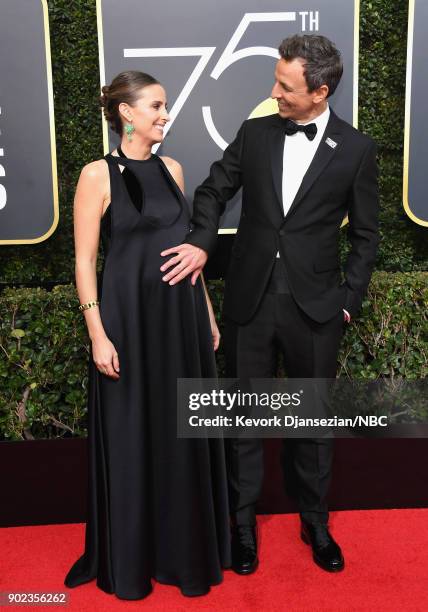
x=125 y=87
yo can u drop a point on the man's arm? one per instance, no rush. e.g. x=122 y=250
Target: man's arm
x=363 y=232
x=211 y=196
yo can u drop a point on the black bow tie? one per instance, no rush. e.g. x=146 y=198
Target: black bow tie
x=291 y=128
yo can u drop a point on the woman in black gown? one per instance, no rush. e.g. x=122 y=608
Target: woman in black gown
x=157 y=505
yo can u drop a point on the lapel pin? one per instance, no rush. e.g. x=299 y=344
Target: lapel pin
x=331 y=143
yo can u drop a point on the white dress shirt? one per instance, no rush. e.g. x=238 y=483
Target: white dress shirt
x=299 y=151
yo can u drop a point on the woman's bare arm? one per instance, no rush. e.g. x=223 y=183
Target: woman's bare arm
x=92 y=192
x=88 y=207
x=214 y=327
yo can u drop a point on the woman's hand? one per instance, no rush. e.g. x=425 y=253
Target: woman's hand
x=214 y=331
x=105 y=357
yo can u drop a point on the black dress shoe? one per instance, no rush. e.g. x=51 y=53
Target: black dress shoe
x=194 y=591
x=244 y=549
x=326 y=553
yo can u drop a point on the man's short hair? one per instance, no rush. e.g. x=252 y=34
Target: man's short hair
x=322 y=60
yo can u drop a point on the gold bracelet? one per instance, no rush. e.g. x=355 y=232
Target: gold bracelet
x=88 y=305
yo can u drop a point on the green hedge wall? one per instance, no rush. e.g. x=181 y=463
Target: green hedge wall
x=74 y=44
x=45 y=350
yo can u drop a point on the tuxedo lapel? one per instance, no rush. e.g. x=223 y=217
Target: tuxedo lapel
x=328 y=147
x=276 y=150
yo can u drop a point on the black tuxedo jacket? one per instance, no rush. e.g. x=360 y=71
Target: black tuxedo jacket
x=341 y=179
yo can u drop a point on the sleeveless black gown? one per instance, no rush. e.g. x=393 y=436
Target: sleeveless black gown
x=157 y=505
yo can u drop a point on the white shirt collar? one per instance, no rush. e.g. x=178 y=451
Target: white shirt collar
x=322 y=119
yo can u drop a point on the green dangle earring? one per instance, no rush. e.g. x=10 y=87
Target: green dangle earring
x=129 y=129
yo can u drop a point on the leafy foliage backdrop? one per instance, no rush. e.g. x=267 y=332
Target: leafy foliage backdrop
x=43 y=342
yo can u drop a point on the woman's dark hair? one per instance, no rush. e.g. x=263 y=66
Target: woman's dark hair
x=125 y=87
x=322 y=61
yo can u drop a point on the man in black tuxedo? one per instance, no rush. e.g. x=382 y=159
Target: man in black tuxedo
x=302 y=170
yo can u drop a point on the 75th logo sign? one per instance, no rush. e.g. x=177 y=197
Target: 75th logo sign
x=217 y=61
x=308 y=20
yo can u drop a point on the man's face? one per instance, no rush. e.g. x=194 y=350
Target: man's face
x=291 y=91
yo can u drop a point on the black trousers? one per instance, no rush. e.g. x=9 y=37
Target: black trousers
x=309 y=350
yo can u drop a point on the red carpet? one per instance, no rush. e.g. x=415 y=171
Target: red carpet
x=386 y=568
